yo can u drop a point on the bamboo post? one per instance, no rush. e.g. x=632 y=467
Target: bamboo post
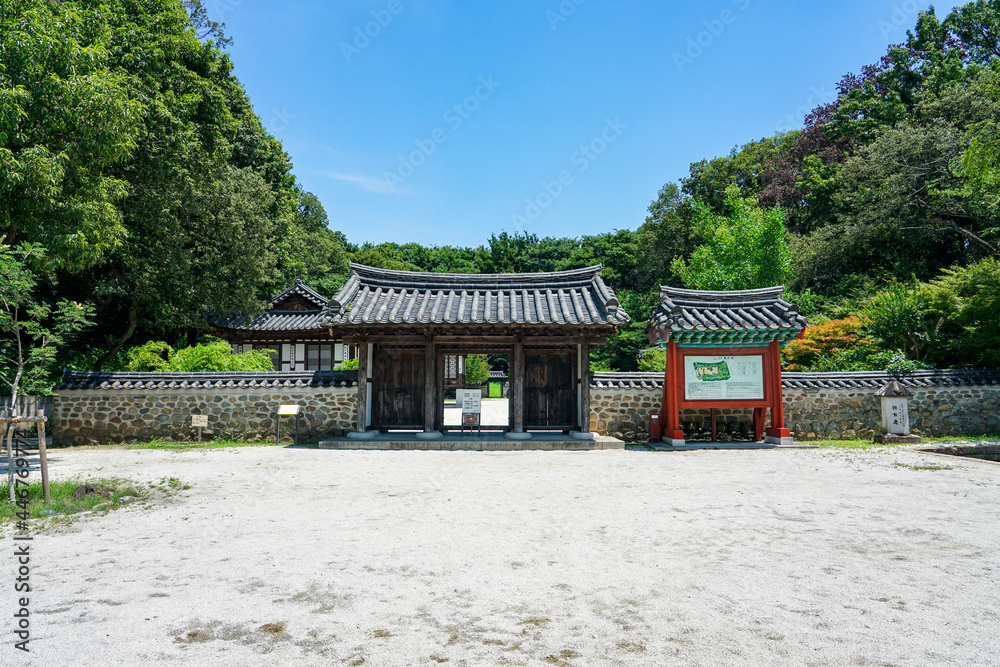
x=43 y=461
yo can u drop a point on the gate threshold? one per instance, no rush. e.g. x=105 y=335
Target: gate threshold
x=488 y=442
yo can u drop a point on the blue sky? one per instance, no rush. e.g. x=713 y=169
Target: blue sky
x=444 y=122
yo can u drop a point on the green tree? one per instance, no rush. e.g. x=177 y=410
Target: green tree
x=966 y=302
x=31 y=331
x=477 y=369
x=67 y=117
x=745 y=249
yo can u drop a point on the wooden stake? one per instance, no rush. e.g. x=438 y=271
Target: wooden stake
x=43 y=460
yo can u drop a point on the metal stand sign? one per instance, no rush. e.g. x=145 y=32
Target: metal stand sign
x=471 y=401
x=286 y=410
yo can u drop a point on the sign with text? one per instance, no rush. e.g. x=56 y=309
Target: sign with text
x=288 y=410
x=471 y=401
x=199 y=421
x=724 y=378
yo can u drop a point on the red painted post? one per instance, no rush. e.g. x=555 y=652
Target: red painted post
x=777 y=428
x=673 y=381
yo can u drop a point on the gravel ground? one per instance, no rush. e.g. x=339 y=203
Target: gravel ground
x=280 y=556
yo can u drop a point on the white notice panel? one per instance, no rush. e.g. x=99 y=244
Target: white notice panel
x=724 y=378
x=470 y=400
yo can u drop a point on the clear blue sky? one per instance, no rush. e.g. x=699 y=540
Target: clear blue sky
x=535 y=81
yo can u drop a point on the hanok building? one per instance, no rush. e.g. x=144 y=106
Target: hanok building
x=723 y=350
x=290 y=328
x=407 y=324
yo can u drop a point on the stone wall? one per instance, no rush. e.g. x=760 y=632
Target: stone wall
x=816 y=405
x=158 y=409
x=102 y=408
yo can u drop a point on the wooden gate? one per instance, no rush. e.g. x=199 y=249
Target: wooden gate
x=549 y=389
x=398 y=387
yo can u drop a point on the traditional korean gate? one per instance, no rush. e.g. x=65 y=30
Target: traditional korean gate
x=398 y=387
x=550 y=389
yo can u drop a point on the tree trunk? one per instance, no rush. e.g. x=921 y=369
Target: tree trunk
x=133 y=321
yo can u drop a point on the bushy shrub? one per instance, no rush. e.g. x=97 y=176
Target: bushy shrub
x=966 y=303
x=348 y=365
x=824 y=340
x=652 y=360
x=212 y=356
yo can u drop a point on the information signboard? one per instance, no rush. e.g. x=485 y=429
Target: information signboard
x=724 y=378
x=288 y=409
x=199 y=421
x=471 y=401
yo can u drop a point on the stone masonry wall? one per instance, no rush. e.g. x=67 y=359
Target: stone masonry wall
x=811 y=414
x=83 y=417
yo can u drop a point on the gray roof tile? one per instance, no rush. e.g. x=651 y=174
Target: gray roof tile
x=700 y=310
x=152 y=381
x=873 y=380
x=382 y=296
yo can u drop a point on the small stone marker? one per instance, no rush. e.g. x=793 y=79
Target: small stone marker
x=895 y=400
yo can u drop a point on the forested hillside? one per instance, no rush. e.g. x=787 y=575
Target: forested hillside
x=132 y=155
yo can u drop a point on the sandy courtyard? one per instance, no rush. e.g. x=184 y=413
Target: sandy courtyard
x=280 y=556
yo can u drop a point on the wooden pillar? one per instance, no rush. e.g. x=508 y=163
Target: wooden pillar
x=362 y=384
x=777 y=430
x=517 y=386
x=673 y=383
x=585 y=386
x=430 y=386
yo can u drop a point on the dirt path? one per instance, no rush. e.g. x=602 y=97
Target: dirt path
x=283 y=556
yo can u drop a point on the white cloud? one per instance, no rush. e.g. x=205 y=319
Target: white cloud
x=362 y=182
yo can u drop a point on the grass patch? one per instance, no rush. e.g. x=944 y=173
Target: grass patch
x=868 y=444
x=922 y=466
x=61 y=498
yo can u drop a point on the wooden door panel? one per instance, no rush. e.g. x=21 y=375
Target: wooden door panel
x=397 y=388
x=549 y=390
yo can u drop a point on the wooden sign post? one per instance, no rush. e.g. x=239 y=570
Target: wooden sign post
x=199 y=422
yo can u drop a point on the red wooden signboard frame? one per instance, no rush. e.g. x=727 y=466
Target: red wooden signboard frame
x=673 y=390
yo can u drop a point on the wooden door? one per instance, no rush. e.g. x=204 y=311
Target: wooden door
x=549 y=389
x=398 y=387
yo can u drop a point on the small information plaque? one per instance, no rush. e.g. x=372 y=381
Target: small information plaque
x=470 y=420
x=471 y=401
x=288 y=409
x=199 y=421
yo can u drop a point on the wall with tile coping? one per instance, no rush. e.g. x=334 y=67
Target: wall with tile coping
x=621 y=408
x=92 y=416
x=113 y=411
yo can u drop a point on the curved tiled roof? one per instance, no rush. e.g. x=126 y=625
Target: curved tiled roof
x=299 y=288
x=695 y=315
x=234 y=380
x=382 y=296
x=856 y=380
x=276 y=319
